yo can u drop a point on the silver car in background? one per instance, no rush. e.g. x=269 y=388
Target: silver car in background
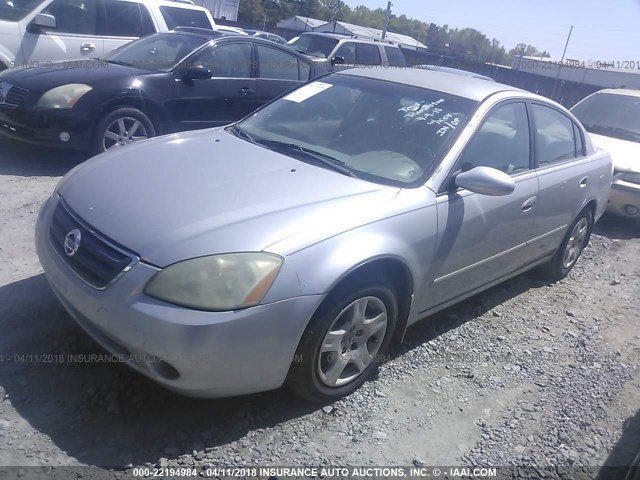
x=295 y=245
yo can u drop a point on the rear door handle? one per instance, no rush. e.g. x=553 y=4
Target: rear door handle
x=88 y=47
x=529 y=204
x=246 y=91
x=584 y=182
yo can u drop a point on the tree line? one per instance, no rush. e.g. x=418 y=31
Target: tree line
x=465 y=43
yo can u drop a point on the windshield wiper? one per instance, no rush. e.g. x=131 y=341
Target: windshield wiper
x=334 y=163
x=241 y=133
x=118 y=62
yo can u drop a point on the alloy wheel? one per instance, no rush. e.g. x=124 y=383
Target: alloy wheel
x=575 y=243
x=123 y=131
x=352 y=342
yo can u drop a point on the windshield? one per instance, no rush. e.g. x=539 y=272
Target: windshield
x=16 y=10
x=380 y=131
x=160 y=52
x=611 y=114
x=314 y=45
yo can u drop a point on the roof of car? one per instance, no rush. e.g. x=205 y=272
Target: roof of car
x=201 y=32
x=621 y=91
x=340 y=36
x=452 y=83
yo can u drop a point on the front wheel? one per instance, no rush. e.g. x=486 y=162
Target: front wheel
x=122 y=127
x=571 y=247
x=344 y=341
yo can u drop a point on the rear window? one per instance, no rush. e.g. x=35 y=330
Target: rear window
x=123 y=19
x=368 y=54
x=184 y=17
x=396 y=59
x=17 y=10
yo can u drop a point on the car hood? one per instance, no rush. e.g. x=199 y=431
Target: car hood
x=87 y=71
x=205 y=192
x=625 y=154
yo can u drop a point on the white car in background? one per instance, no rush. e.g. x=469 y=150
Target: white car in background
x=612 y=118
x=38 y=32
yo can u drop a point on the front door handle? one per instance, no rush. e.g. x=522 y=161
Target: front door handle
x=246 y=91
x=529 y=204
x=584 y=182
x=88 y=47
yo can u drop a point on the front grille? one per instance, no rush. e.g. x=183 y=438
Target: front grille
x=97 y=260
x=15 y=96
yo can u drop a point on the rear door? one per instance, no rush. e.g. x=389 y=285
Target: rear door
x=125 y=21
x=564 y=173
x=224 y=98
x=482 y=238
x=278 y=73
x=75 y=36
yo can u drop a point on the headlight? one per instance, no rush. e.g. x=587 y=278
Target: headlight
x=631 y=177
x=64 y=96
x=217 y=283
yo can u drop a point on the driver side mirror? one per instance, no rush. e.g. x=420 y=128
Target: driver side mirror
x=40 y=22
x=337 y=60
x=486 y=181
x=196 y=73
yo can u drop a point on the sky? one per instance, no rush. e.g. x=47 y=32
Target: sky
x=602 y=31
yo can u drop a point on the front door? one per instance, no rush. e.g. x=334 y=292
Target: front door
x=482 y=238
x=226 y=97
x=75 y=36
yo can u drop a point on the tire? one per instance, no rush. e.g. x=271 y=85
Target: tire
x=312 y=374
x=577 y=238
x=111 y=134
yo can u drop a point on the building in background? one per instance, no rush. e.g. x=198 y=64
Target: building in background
x=222 y=9
x=297 y=25
x=601 y=74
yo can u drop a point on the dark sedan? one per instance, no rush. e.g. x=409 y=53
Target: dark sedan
x=163 y=83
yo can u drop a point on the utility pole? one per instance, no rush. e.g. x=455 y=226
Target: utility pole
x=387 y=16
x=556 y=93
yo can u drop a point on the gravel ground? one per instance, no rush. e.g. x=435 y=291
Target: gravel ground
x=525 y=374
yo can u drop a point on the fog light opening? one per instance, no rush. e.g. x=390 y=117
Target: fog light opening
x=631 y=210
x=163 y=369
x=64 y=136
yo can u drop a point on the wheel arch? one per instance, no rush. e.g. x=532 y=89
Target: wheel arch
x=389 y=267
x=137 y=101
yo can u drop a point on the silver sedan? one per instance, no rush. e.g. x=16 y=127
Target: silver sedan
x=294 y=246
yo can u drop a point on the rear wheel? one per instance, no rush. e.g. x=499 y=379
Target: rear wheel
x=122 y=127
x=343 y=343
x=574 y=242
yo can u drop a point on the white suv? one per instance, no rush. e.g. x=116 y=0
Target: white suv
x=37 y=32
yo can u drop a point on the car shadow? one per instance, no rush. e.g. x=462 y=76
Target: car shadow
x=625 y=453
x=26 y=160
x=104 y=414
x=617 y=228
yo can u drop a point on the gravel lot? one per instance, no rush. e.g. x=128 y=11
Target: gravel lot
x=526 y=373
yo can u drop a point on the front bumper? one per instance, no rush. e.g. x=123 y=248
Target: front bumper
x=204 y=354
x=43 y=127
x=624 y=199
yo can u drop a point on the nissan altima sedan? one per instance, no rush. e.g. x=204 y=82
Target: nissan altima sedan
x=294 y=246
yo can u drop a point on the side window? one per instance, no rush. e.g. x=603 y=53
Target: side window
x=368 y=54
x=184 y=17
x=74 y=16
x=276 y=64
x=396 y=59
x=122 y=19
x=348 y=52
x=554 y=135
x=230 y=60
x=502 y=142
x=579 y=142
